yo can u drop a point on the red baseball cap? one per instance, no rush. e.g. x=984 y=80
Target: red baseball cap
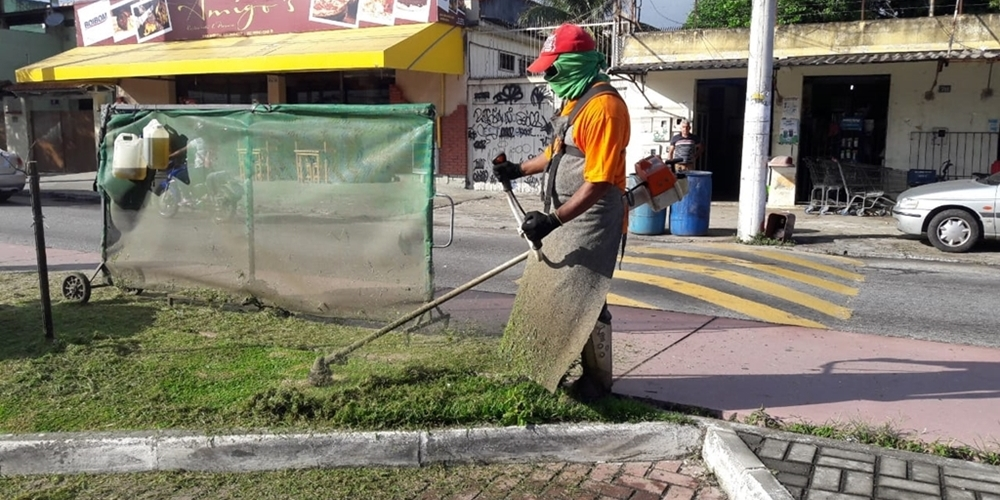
x=566 y=38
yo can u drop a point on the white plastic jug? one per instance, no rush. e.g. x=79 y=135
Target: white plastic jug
x=127 y=162
x=155 y=145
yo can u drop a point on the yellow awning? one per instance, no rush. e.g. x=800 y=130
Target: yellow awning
x=433 y=48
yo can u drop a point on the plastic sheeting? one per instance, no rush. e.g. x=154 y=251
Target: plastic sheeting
x=319 y=209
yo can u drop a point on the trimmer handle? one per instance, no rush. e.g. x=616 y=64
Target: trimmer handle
x=502 y=158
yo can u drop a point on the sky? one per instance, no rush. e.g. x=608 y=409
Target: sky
x=665 y=13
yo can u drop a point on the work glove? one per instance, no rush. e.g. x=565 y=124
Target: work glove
x=538 y=225
x=506 y=171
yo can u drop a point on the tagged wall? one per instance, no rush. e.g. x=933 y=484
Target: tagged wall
x=513 y=117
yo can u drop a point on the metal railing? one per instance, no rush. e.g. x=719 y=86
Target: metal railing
x=496 y=52
x=969 y=152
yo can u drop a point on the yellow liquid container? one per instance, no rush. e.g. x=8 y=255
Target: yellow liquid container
x=127 y=163
x=156 y=145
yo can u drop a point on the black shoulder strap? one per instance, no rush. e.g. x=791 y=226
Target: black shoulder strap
x=595 y=89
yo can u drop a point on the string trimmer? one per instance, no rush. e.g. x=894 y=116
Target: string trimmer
x=320 y=372
x=519 y=214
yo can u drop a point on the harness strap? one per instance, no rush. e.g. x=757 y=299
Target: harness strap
x=559 y=146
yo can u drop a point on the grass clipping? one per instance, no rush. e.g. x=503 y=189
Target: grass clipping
x=128 y=363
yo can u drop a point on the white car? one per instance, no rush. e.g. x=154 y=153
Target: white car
x=12 y=176
x=955 y=215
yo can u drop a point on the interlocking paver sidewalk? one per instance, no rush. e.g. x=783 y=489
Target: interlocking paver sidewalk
x=671 y=480
x=824 y=469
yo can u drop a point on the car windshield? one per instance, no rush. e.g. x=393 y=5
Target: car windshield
x=993 y=180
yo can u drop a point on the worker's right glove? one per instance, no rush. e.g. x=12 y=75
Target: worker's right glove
x=507 y=171
x=538 y=225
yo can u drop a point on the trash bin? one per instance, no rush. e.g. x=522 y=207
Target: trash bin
x=690 y=216
x=642 y=219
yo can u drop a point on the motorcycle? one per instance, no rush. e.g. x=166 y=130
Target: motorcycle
x=222 y=193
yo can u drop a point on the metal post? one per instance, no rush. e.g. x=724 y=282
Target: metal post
x=43 y=264
x=248 y=169
x=757 y=120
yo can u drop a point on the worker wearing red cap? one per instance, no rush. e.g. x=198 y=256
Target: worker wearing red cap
x=585 y=178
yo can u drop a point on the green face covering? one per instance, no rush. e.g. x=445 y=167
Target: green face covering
x=576 y=70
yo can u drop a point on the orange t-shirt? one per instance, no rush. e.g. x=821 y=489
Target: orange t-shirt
x=602 y=131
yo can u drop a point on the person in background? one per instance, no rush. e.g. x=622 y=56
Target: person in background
x=685 y=146
x=196 y=162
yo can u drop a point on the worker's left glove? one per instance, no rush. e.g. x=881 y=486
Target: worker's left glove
x=538 y=225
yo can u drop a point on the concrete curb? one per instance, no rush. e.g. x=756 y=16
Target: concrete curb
x=740 y=473
x=123 y=452
x=67 y=195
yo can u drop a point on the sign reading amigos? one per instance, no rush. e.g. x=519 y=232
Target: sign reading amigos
x=120 y=22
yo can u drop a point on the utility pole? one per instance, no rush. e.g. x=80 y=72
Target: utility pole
x=757 y=120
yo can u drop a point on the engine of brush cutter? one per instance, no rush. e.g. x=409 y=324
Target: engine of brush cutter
x=656 y=183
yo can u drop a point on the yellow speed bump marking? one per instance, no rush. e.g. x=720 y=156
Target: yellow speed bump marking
x=749 y=308
x=808 y=279
x=799 y=261
x=618 y=300
x=753 y=283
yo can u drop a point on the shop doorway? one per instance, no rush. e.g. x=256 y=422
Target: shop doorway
x=844 y=117
x=720 y=107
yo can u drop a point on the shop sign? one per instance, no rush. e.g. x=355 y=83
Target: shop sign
x=121 y=22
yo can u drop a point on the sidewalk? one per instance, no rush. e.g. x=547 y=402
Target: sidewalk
x=850 y=236
x=933 y=391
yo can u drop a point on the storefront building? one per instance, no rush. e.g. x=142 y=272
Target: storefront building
x=290 y=51
x=899 y=93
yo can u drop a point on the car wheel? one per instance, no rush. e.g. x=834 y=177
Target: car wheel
x=5 y=196
x=953 y=231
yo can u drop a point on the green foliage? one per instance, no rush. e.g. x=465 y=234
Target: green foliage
x=736 y=13
x=555 y=12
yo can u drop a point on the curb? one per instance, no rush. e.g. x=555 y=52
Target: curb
x=124 y=452
x=68 y=195
x=740 y=473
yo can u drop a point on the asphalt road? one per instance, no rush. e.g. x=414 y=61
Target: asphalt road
x=914 y=299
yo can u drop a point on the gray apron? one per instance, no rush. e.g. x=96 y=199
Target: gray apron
x=560 y=297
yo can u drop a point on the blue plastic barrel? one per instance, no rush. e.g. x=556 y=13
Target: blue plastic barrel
x=642 y=219
x=690 y=216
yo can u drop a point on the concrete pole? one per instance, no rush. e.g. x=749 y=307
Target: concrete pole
x=757 y=120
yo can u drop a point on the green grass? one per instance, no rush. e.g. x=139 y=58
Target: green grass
x=760 y=240
x=883 y=435
x=129 y=363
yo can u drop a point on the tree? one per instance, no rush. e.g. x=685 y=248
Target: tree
x=555 y=12
x=736 y=13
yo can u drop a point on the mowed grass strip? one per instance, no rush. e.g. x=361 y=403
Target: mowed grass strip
x=128 y=363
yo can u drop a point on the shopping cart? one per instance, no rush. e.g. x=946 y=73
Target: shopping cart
x=824 y=197
x=864 y=186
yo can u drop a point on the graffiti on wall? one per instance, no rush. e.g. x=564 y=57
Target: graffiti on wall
x=508 y=118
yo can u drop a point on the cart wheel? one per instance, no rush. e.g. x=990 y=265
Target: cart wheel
x=76 y=288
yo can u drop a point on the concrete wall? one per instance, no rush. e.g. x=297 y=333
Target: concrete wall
x=447 y=94
x=960 y=110
x=861 y=37
x=21 y=48
x=487 y=43
x=508 y=116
